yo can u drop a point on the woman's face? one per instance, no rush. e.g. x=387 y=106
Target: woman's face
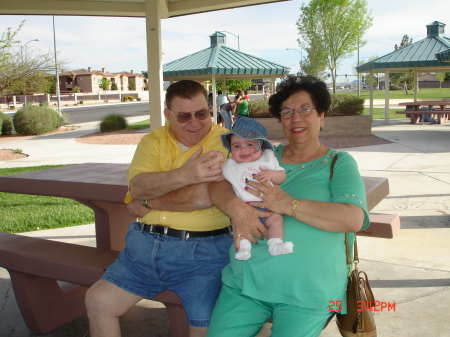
x=298 y=129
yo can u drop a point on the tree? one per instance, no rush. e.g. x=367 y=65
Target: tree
x=6 y=42
x=313 y=64
x=334 y=29
x=131 y=85
x=234 y=85
x=406 y=41
x=22 y=68
x=441 y=78
x=406 y=78
x=105 y=83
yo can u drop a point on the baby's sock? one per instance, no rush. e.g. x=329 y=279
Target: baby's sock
x=278 y=247
x=244 y=250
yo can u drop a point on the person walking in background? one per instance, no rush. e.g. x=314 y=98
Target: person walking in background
x=246 y=96
x=226 y=114
x=181 y=240
x=294 y=289
x=222 y=99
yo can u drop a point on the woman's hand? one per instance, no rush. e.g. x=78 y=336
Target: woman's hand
x=273 y=197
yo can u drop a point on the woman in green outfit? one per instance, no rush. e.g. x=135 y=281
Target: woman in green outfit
x=297 y=290
x=242 y=105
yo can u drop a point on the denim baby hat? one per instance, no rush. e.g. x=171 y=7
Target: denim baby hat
x=247 y=128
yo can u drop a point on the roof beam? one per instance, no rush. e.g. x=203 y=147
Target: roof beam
x=58 y=7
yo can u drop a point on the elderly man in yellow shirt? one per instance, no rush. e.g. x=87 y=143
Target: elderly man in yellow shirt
x=181 y=240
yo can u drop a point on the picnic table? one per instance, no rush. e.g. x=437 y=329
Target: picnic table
x=36 y=265
x=442 y=113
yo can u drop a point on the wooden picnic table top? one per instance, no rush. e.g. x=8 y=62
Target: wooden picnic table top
x=102 y=186
x=425 y=103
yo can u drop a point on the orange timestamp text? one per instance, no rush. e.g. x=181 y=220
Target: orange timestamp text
x=365 y=305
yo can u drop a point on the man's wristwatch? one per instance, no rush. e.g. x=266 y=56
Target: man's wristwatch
x=295 y=204
x=144 y=203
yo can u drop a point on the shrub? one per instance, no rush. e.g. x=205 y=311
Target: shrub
x=345 y=105
x=114 y=86
x=6 y=124
x=131 y=98
x=138 y=99
x=259 y=109
x=43 y=103
x=125 y=98
x=393 y=87
x=81 y=102
x=35 y=120
x=113 y=122
x=12 y=107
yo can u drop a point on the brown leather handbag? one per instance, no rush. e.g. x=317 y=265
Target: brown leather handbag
x=358 y=321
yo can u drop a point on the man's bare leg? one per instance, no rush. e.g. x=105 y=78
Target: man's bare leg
x=105 y=304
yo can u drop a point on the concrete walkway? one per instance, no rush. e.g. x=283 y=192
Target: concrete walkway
x=412 y=270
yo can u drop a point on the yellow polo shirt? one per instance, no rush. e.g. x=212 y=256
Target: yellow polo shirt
x=159 y=151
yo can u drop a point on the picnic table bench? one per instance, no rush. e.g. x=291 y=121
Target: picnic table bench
x=442 y=114
x=36 y=265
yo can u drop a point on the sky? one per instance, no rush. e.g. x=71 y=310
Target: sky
x=265 y=31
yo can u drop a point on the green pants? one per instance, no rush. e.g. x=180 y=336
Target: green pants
x=238 y=315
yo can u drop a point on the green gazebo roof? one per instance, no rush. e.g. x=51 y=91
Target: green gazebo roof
x=224 y=61
x=421 y=54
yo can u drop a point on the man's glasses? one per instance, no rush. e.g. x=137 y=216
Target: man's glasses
x=184 y=117
x=304 y=110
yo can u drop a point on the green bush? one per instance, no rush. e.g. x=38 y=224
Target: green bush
x=114 y=86
x=394 y=87
x=138 y=99
x=6 y=124
x=131 y=98
x=346 y=105
x=12 y=107
x=125 y=98
x=113 y=122
x=43 y=103
x=35 y=120
x=259 y=109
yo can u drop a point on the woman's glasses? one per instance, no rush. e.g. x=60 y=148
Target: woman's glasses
x=184 y=117
x=304 y=110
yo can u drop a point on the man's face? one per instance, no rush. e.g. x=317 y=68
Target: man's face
x=193 y=131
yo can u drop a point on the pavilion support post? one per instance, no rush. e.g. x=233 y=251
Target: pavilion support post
x=154 y=61
x=214 y=102
x=416 y=85
x=386 y=97
x=371 y=94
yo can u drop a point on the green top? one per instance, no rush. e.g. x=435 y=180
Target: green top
x=243 y=108
x=316 y=272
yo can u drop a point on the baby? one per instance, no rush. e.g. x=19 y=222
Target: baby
x=252 y=158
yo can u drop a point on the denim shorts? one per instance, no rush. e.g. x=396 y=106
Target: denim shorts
x=151 y=263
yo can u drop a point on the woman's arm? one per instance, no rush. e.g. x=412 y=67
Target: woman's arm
x=328 y=216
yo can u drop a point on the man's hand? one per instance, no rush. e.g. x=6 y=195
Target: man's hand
x=136 y=209
x=204 y=168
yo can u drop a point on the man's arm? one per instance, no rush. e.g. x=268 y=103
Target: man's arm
x=197 y=169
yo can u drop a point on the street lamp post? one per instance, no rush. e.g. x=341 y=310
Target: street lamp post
x=23 y=63
x=298 y=51
x=58 y=92
x=224 y=31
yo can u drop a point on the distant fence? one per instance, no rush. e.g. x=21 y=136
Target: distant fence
x=75 y=98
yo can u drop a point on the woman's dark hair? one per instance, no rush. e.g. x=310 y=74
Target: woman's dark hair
x=316 y=88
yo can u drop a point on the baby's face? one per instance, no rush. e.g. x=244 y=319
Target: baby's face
x=243 y=150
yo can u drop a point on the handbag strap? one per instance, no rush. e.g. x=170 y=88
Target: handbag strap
x=347 y=248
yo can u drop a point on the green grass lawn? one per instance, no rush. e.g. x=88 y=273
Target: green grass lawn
x=400 y=94
x=24 y=213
